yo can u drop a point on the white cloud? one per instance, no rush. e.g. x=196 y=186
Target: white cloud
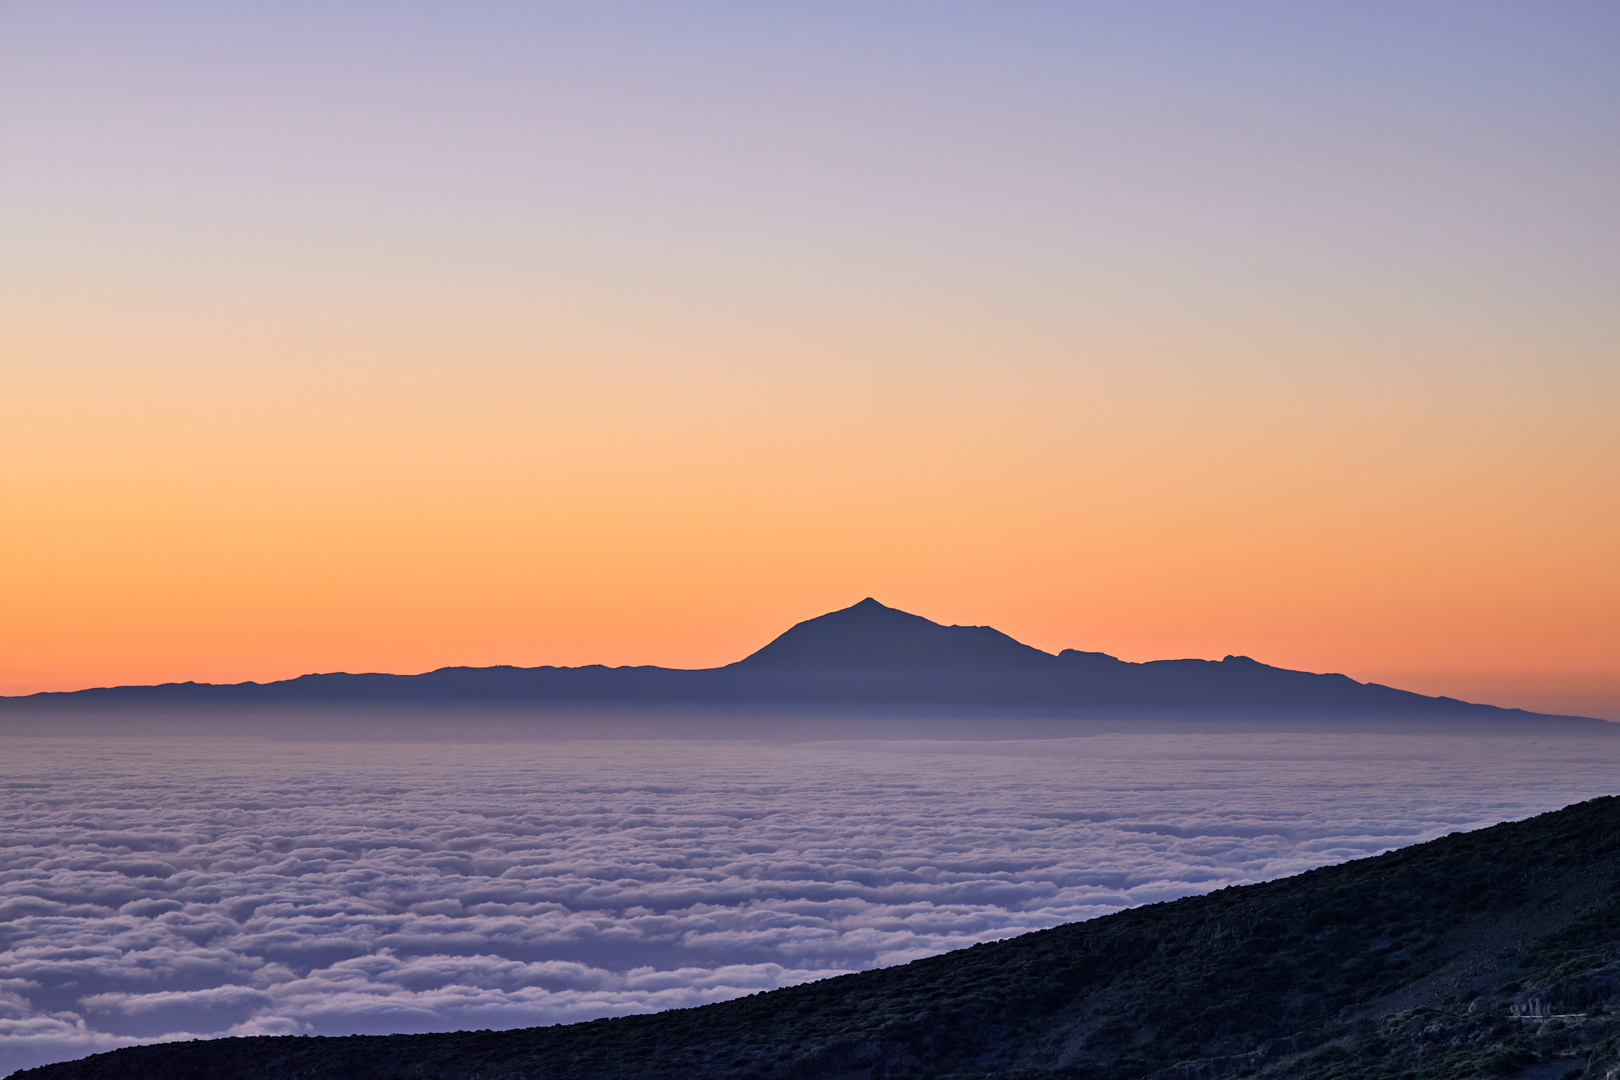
x=172 y=890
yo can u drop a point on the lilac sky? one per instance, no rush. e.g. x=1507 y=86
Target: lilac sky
x=386 y=336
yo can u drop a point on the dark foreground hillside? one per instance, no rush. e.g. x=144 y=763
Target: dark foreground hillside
x=1485 y=954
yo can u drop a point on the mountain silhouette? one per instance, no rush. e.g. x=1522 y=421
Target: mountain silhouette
x=1493 y=953
x=864 y=657
x=869 y=635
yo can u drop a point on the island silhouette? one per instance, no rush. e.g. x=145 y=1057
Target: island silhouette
x=864 y=657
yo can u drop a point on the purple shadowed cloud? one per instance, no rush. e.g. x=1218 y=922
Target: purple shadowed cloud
x=170 y=890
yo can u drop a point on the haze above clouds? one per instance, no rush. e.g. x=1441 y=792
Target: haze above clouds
x=165 y=889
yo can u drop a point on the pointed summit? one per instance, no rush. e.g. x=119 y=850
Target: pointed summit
x=871 y=635
x=867 y=656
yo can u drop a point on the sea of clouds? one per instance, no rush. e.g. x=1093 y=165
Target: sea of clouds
x=154 y=889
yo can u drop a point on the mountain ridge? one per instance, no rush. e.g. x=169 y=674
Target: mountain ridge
x=864 y=656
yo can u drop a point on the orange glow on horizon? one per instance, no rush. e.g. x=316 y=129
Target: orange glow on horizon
x=571 y=499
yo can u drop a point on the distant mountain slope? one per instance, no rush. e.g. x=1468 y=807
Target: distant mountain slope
x=870 y=635
x=865 y=656
x=1484 y=954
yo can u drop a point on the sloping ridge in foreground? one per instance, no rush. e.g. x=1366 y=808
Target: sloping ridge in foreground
x=1491 y=953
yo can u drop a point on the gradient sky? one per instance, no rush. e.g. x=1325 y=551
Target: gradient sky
x=387 y=336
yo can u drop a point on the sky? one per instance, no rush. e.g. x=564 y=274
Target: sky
x=391 y=336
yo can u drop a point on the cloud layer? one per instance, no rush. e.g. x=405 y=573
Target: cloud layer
x=153 y=890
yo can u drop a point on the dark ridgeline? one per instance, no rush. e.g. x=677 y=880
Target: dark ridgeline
x=866 y=656
x=1482 y=954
